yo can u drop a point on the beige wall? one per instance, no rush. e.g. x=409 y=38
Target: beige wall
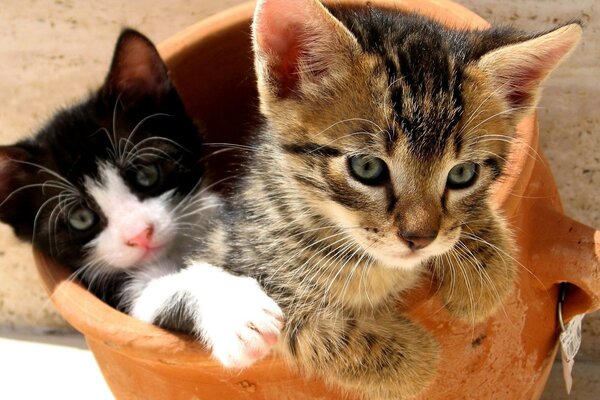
x=53 y=52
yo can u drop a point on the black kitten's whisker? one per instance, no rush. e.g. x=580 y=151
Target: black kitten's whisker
x=112 y=152
x=123 y=151
x=114 y=142
x=232 y=146
x=33 y=185
x=38 y=213
x=48 y=171
x=215 y=153
x=207 y=189
x=139 y=144
x=64 y=202
x=152 y=153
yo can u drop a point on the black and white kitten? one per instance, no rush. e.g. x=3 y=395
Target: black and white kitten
x=110 y=187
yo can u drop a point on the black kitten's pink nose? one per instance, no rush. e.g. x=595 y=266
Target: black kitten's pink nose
x=142 y=239
x=417 y=240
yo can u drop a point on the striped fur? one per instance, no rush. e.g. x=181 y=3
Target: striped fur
x=324 y=246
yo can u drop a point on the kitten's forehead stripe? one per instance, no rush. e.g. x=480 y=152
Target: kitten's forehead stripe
x=458 y=142
x=423 y=77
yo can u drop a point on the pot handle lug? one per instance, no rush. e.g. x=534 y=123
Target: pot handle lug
x=568 y=251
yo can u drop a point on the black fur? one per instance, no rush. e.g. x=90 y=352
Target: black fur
x=76 y=140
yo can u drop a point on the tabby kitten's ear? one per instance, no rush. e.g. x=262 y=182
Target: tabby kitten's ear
x=299 y=45
x=136 y=71
x=516 y=71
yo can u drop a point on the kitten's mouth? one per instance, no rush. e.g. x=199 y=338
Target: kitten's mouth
x=402 y=254
x=404 y=259
x=152 y=252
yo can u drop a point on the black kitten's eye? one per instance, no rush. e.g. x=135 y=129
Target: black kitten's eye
x=147 y=176
x=462 y=175
x=368 y=170
x=82 y=218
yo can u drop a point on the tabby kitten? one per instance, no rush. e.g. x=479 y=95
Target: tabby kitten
x=110 y=187
x=384 y=133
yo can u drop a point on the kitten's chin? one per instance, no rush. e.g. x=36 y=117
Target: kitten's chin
x=151 y=255
x=407 y=261
x=131 y=260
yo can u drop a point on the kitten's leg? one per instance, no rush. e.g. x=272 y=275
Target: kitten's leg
x=231 y=314
x=384 y=356
x=479 y=272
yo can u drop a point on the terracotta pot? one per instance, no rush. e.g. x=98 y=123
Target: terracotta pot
x=507 y=357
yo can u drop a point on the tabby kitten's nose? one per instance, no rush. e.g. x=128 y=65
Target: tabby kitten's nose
x=417 y=240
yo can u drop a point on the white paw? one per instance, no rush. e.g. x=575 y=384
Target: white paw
x=243 y=325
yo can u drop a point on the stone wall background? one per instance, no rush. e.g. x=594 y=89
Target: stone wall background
x=53 y=52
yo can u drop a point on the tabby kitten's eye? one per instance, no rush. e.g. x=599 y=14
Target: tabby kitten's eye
x=368 y=170
x=462 y=175
x=82 y=218
x=147 y=176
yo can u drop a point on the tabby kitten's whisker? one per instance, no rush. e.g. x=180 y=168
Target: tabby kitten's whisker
x=294 y=256
x=481 y=270
x=499 y=114
x=479 y=110
x=454 y=252
x=503 y=255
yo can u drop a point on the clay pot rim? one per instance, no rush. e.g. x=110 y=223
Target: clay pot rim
x=96 y=319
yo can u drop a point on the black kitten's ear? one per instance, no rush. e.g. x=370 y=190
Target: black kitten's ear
x=516 y=71
x=12 y=176
x=137 y=71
